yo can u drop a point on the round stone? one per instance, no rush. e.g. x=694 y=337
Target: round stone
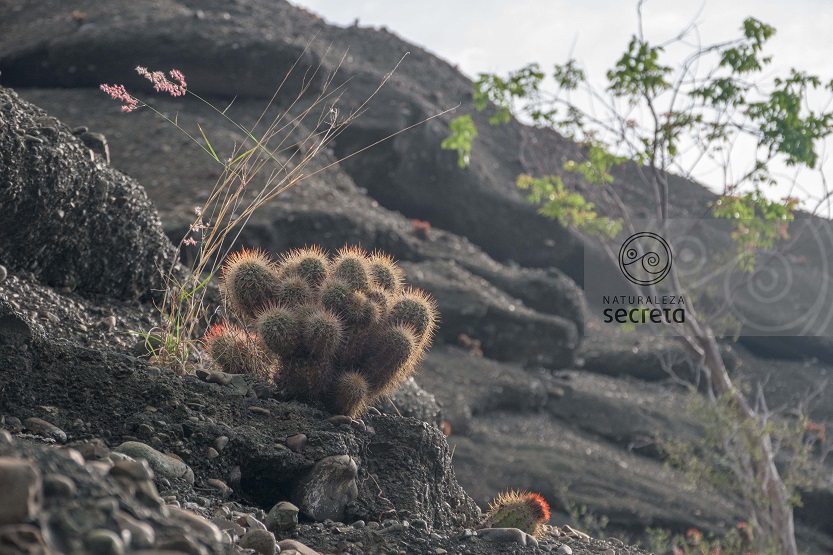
x=262 y=541
x=20 y=482
x=282 y=517
x=104 y=542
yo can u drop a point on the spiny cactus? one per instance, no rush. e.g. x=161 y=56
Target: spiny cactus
x=311 y=264
x=235 y=351
x=519 y=509
x=385 y=273
x=344 y=331
x=351 y=266
x=249 y=282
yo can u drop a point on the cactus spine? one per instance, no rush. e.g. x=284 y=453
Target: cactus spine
x=343 y=331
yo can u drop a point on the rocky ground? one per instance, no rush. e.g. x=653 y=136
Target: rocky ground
x=529 y=402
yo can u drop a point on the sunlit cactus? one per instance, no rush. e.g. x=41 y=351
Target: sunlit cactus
x=519 y=509
x=385 y=273
x=235 y=351
x=351 y=266
x=310 y=263
x=249 y=283
x=343 y=331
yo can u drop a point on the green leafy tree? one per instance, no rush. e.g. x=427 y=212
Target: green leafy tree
x=668 y=119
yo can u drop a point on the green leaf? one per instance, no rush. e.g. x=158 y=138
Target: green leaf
x=462 y=133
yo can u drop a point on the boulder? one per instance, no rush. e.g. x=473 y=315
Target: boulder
x=69 y=218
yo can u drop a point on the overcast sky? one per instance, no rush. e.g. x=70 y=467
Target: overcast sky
x=501 y=35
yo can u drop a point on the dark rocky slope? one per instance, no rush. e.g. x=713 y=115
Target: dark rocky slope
x=511 y=419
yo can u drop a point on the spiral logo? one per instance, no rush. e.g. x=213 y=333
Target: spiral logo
x=645 y=258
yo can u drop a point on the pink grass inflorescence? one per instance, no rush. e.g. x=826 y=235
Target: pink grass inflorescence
x=117 y=92
x=162 y=83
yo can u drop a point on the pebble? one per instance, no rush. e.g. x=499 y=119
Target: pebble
x=211 y=453
x=297 y=546
x=3 y=273
x=440 y=551
x=120 y=457
x=142 y=534
x=609 y=552
x=260 y=410
x=228 y=526
x=282 y=517
x=262 y=541
x=104 y=542
x=503 y=535
x=220 y=486
x=108 y=323
x=180 y=543
x=340 y=420
x=251 y=522
x=564 y=550
x=220 y=443
x=92 y=449
x=135 y=470
x=22 y=489
x=575 y=533
x=44 y=428
x=297 y=442
x=200 y=526
x=219 y=378
x=161 y=464
x=58 y=485
x=395 y=527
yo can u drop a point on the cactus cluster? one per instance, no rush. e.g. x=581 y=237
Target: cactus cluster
x=340 y=330
x=519 y=509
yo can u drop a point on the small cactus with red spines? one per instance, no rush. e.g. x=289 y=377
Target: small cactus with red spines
x=235 y=351
x=519 y=509
x=343 y=330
